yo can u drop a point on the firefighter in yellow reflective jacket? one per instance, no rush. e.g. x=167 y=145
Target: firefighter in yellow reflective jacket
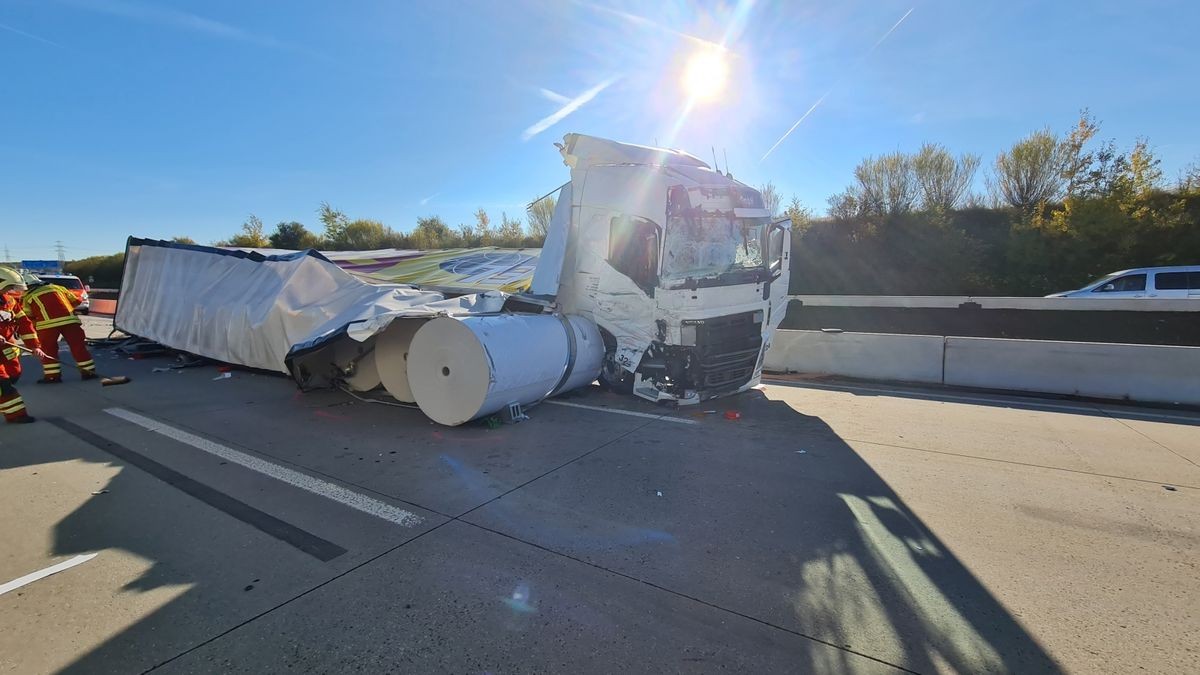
x=13 y=324
x=52 y=310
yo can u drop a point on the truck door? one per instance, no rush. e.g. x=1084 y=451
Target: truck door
x=779 y=249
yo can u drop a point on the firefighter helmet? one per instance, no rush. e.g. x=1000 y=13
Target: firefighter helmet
x=11 y=280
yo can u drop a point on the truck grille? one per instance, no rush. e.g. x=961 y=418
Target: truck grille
x=727 y=349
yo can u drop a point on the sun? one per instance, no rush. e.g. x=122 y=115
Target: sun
x=705 y=75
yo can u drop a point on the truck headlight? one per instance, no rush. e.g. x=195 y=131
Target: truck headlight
x=687 y=335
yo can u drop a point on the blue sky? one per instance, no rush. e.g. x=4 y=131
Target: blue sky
x=161 y=118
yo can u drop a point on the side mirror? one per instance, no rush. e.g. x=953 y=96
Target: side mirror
x=1109 y=287
x=87 y=288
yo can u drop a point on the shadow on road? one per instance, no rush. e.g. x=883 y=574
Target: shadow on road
x=771 y=517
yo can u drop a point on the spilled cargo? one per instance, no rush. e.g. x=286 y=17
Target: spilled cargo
x=659 y=276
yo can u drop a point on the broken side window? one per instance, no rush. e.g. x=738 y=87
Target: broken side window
x=633 y=249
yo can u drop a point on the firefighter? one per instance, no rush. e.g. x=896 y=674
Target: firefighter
x=52 y=310
x=14 y=323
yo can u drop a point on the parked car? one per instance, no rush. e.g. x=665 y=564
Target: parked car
x=1144 y=282
x=75 y=285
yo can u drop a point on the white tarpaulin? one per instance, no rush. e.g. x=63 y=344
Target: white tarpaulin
x=255 y=310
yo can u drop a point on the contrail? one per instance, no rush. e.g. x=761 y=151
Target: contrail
x=822 y=99
x=31 y=36
x=789 y=131
x=648 y=23
x=554 y=96
x=890 y=31
x=571 y=106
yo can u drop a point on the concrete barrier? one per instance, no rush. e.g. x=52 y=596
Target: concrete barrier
x=874 y=356
x=1148 y=373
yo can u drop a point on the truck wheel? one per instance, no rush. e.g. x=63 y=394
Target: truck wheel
x=612 y=376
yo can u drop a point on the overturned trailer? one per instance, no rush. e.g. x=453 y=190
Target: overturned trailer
x=659 y=275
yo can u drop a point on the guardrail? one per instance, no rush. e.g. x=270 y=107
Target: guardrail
x=994 y=302
x=1145 y=373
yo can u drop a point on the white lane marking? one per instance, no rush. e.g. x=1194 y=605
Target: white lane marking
x=936 y=396
x=631 y=413
x=326 y=489
x=42 y=574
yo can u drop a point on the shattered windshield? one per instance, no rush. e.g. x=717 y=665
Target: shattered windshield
x=711 y=244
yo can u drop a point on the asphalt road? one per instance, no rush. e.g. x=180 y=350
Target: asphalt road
x=241 y=526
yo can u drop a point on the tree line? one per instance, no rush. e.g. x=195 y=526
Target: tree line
x=1058 y=210
x=340 y=233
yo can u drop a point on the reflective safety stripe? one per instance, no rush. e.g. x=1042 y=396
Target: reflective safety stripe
x=11 y=353
x=15 y=405
x=51 y=368
x=55 y=323
x=29 y=338
x=86 y=365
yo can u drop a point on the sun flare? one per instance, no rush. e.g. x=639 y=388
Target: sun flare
x=705 y=75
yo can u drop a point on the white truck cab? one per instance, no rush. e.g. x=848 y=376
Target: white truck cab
x=1180 y=282
x=679 y=265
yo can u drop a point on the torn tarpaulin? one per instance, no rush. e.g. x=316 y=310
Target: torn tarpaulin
x=260 y=311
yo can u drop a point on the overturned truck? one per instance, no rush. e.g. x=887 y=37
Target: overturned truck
x=659 y=276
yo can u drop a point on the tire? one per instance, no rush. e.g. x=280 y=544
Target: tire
x=612 y=376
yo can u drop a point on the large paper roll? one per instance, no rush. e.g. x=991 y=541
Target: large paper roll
x=460 y=369
x=391 y=357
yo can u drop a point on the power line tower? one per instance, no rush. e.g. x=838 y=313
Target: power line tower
x=7 y=257
x=62 y=254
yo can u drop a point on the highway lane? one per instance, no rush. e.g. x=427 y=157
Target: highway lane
x=833 y=528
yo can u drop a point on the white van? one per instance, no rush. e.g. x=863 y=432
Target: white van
x=1144 y=282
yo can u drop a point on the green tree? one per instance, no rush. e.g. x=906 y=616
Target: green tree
x=183 y=240
x=943 y=180
x=1030 y=172
x=771 y=198
x=511 y=232
x=432 y=233
x=541 y=212
x=106 y=270
x=335 y=222
x=800 y=216
x=363 y=235
x=293 y=236
x=887 y=185
x=251 y=235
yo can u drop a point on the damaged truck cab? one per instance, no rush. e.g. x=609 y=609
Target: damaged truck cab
x=680 y=266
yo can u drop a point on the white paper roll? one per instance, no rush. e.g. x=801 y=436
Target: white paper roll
x=465 y=368
x=391 y=357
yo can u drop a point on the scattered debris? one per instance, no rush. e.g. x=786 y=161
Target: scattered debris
x=100 y=492
x=1170 y=488
x=733 y=415
x=223 y=376
x=658 y=492
x=116 y=379
x=801 y=452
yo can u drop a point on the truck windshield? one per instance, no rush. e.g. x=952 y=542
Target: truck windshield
x=712 y=244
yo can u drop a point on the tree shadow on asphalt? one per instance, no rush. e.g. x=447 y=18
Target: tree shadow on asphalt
x=771 y=517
